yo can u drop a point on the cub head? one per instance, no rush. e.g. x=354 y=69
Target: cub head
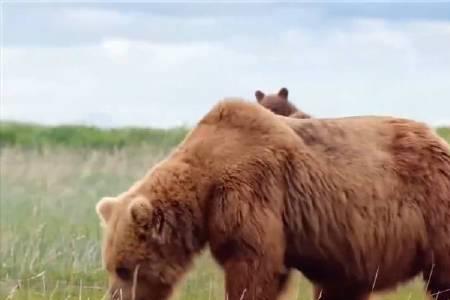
x=147 y=245
x=277 y=103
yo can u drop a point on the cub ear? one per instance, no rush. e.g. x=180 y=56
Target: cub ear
x=259 y=95
x=104 y=208
x=283 y=93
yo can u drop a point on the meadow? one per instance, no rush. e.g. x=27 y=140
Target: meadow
x=50 y=181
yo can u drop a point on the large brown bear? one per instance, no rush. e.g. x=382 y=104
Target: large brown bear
x=280 y=104
x=356 y=204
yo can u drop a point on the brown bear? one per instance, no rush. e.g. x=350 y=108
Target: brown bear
x=280 y=104
x=357 y=204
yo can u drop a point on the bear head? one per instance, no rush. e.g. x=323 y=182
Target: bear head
x=149 y=239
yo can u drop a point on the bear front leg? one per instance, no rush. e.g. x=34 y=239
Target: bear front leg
x=254 y=261
x=341 y=293
x=254 y=279
x=248 y=241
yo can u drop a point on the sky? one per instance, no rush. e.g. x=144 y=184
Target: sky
x=111 y=64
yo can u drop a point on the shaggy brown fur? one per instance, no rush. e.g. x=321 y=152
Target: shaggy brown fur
x=356 y=204
x=280 y=104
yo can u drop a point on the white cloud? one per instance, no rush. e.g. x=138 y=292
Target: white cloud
x=90 y=19
x=116 y=48
x=365 y=66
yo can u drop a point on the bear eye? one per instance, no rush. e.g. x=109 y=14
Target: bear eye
x=123 y=273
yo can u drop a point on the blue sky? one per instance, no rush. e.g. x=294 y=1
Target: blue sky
x=155 y=64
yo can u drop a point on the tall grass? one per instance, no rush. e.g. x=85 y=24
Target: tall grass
x=50 y=235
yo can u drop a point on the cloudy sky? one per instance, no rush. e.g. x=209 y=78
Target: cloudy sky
x=153 y=64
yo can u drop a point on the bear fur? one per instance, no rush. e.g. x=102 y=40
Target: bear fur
x=356 y=204
x=279 y=104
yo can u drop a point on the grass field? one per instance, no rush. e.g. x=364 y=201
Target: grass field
x=50 y=235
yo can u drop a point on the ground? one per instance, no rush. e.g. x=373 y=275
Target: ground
x=50 y=234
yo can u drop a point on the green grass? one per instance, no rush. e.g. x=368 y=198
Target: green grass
x=444 y=132
x=81 y=137
x=50 y=234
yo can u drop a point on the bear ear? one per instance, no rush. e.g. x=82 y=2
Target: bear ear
x=283 y=93
x=152 y=221
x=259 y=95
x=140 y=211
x=104 y=208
